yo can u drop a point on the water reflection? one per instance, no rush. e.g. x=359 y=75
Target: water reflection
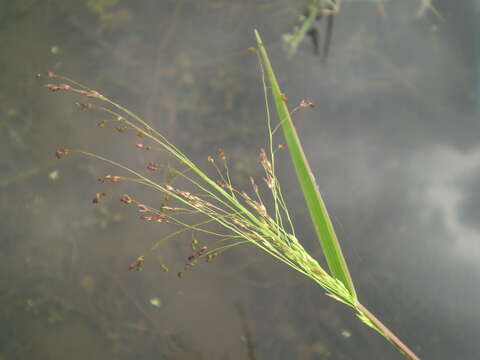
x=445 y=178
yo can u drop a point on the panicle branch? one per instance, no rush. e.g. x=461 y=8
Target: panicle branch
x=245 y=219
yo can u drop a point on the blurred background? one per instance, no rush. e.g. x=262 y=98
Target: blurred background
x=393 y=142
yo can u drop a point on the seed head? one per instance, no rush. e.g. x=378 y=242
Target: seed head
x=84 y=106
x=142 y=208
x=60 y=153
x=221 y=154
x=254 y=185
x=211 y=256
x=307 y=103
x=98 y=196
x=52 y=87
x=126 y=199
x=121 y=129
x=265 y=162
x=161 y=218
x=138 y=264
x=110 y=178
x=152 y=166
x=201 y=250
x=168 y=187
x=93 y=94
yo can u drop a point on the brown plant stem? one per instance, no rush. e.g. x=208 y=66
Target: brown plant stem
x=388 y=333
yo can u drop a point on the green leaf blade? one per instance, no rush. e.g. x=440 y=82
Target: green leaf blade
x=316 y=207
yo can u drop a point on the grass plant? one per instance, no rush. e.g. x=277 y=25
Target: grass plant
x=243 y=216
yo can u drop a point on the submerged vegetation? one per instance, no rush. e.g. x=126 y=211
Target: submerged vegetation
x=244 y=217
x=317 y=9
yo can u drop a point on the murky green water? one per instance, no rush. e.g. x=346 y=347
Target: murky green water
x=393 y=142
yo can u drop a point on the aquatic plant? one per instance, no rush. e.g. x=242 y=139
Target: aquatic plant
x=244 y=217
x=315 y=9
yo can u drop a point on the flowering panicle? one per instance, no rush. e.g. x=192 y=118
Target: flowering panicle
x=244 y=218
